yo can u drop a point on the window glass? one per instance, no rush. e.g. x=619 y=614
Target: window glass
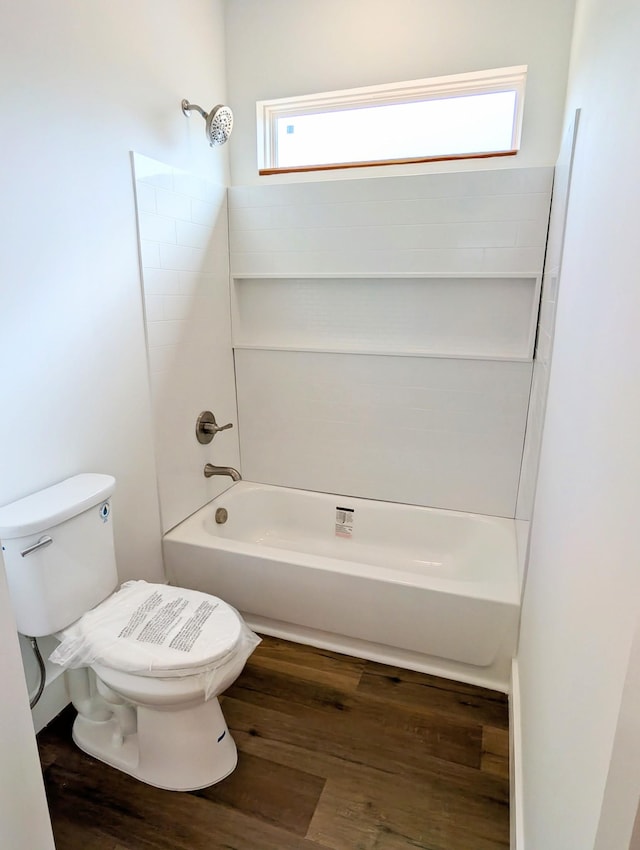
x=474 y=124
x=476 y=114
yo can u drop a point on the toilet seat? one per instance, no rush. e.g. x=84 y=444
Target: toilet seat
x=155 y=630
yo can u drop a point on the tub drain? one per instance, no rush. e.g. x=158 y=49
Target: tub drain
x=221 y=516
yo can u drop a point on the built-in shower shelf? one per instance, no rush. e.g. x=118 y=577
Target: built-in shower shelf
x=267 y=276
x=383 y=352
x=490 y=317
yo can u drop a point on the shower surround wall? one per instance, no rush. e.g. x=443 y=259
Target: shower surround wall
x=184 y=255
x=544 y=342
x=383 y=333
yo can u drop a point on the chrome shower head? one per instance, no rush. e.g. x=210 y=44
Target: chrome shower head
x=219 y=122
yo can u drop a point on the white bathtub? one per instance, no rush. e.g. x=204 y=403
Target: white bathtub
x=419 y=580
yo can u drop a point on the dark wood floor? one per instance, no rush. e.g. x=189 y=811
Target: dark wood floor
x=335 y=753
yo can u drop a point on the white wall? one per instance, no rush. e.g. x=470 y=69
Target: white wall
x=581 y=600
x=82 y=85
x=622 y=793
x=24 y=820
x=83 y=88
x=280 y=48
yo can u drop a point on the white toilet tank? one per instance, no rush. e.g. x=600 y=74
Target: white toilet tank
x=57 y=546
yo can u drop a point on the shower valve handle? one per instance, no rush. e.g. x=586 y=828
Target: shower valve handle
x=207 y=427
x=212 y=428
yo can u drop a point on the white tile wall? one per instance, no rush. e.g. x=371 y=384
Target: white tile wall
x=488 y=222
x=424 y=431
x=440 y=432
x=182 y=223
x=467 y=317
x=544 y=345
x=427 y=431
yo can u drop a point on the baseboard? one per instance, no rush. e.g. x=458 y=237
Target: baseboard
x=515 y=760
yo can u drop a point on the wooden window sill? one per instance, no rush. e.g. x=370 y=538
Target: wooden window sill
x=300 y=169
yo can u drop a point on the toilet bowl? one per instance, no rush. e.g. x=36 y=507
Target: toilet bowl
x=144 y=665
x=154 y=711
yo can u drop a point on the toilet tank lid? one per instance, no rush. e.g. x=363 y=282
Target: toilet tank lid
x=48 y=508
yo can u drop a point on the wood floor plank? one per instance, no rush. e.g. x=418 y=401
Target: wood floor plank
x=74 y=836
x=159 y=820
x=308 y=662
x=434 y=695
x=334 y=754
x=280 y=738
x=371 y=727
x=274 y=793
x=385 y=814
x=495 y=751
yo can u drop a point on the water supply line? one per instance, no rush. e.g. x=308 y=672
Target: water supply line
x=43 y=673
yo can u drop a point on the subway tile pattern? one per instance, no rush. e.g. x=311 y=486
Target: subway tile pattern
x=424 y=431
x=434 y=431
x=464 y=317
x=485 y=222
x=183 y=238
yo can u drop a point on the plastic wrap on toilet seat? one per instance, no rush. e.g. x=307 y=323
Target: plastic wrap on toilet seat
x=160 y=631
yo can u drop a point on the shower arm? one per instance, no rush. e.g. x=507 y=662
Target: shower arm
x=187 y=107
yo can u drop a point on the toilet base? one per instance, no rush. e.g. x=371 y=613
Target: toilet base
x=174 y=750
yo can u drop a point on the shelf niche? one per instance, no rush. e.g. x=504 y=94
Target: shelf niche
x=485 y=317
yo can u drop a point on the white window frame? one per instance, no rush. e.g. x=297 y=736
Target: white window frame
x=268 y=112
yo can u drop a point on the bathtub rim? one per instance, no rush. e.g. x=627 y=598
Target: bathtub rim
x=507 y=523
x=192 y=531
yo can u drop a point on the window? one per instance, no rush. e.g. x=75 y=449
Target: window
x=466 y=115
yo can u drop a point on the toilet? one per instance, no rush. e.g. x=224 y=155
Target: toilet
x=144 y=664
